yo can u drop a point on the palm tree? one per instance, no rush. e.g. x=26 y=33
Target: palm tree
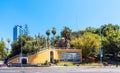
x=53 y=39
x=53 y=31
x=8 y=40
x=48 y=34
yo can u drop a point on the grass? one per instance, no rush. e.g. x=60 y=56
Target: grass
x=90 y=64
x=83 y=64
x=65 y=63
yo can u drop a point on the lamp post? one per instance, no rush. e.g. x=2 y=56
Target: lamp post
x=101 y=51
x=20 y=27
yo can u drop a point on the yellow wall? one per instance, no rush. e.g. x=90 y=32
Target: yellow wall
x=44 y=55
x=40 y=57
x=14 y=60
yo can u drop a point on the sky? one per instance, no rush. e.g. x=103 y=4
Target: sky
x=41 y=15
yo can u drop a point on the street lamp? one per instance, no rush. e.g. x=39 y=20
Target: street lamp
x=101 y=51
x=20 y=27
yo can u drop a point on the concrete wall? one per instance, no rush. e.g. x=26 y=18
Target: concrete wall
x=14 y=60
x=40 y=57
x=43 y=56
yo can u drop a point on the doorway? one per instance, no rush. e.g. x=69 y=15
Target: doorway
x=24 y=61
x=51 y=57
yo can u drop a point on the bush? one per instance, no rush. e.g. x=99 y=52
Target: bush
x=55 y=61
x=47 y=63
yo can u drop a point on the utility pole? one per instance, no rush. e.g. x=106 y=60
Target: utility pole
x=101 y=51
x=20 y=27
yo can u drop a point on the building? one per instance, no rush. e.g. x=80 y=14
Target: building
x=49 y=55
x=17 y=30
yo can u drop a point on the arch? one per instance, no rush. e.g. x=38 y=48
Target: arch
x=51 y=56
x=24 y=61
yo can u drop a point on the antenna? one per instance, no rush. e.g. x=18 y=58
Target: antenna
x=77 y=22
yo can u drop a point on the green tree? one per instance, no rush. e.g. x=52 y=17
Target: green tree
x=89 y=43
x=53 y=38
x=106 y=28
x=29 y=44
x=48 y=34
x=111 y=43
x=66 y=33
x=54 y=31
x=90 y=29
x=2 y=49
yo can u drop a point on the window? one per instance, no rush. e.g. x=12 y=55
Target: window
x=70 y=56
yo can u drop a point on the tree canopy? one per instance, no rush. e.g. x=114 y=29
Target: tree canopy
x=66 y=33
x=88 y=42
x=29 y=44
x=2 y=49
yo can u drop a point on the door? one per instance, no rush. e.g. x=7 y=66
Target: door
x=51 y=57
x=24 y=61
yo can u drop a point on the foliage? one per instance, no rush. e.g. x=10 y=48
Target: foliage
x=53 y=41
x=2 y=49
x=66 y=33
x=90 y=29
x=88 y=40
x=28 y=44
x=48 y=33
x=106 y=28
x=81 y=32
x=89 y=43
x=53 y=30
x=47 y=63
x=48 y=39
x=56 y=61
x=111 y=43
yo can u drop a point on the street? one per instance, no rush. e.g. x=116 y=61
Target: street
x=59 y=72
x=61 y=69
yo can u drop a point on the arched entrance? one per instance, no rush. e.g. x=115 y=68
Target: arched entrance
x=24 y=61
x=51 y=56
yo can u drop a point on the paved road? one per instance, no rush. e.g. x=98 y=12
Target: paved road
x=61 y=69
x=59 y=72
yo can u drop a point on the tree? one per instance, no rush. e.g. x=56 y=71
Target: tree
x=2 y=49
x=29 y=44
x=90 y=29
x=111 y=43
x=77 y=34
x=54 y=31
x=66 y=34
x=48 y=34
x=53 y=38
x=106 y=28
x=89 y=43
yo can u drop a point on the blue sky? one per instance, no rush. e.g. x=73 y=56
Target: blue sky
x=41 y=15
